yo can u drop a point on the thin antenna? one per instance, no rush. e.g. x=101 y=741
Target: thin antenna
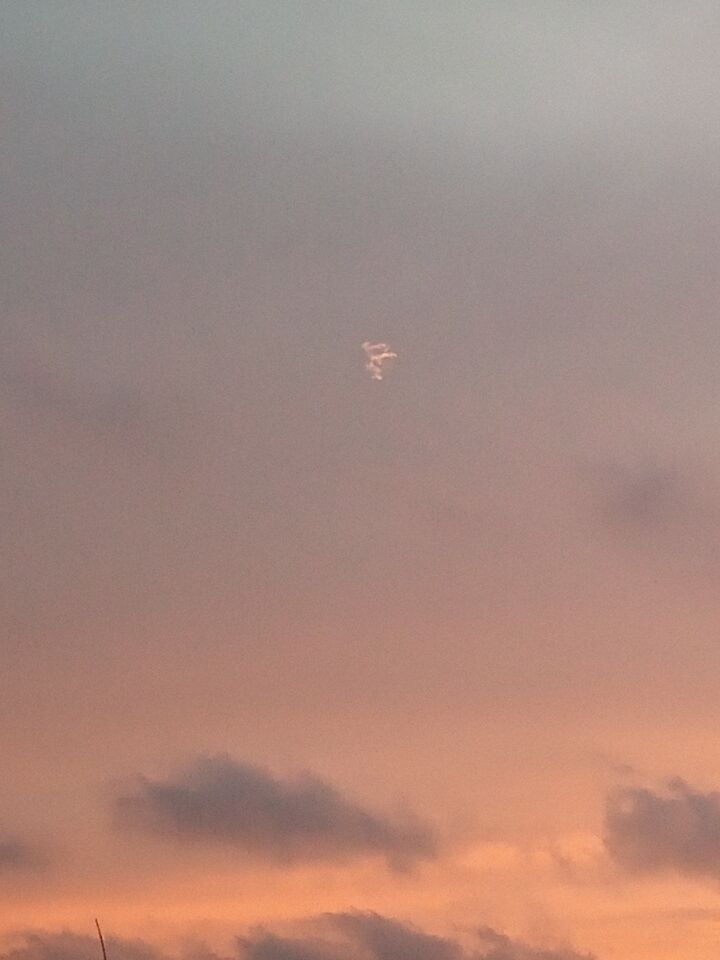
x=102 y=942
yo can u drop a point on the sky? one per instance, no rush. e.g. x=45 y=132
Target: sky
x=299 y=663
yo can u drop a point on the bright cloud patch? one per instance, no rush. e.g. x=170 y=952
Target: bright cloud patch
x=376 y=355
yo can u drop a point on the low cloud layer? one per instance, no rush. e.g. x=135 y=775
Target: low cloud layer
x=73 y=946
x=371 y=936
x=284 y=821
x=336 y=936
x=498 y=946
x=387 y=939
x=679 y=829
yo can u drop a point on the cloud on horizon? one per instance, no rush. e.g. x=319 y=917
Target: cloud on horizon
x=372 y=936
x=388 y=939
x=647 y=831
x=498 y=946
x=73 y=946
x=220 y=800
x=333 y=936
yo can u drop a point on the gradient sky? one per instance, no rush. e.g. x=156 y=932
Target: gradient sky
x=318 y=662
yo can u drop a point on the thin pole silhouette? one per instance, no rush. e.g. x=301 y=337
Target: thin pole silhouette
x=102 y=942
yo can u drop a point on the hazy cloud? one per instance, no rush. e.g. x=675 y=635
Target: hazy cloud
x=679 y=829
x=221 y=800
x=45 y=392
x=645 y=496
x=672 y=508
x=16 y=854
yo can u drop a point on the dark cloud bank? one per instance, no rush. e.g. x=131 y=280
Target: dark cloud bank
x=649 y=831
x=339 y=936
x=221 y=800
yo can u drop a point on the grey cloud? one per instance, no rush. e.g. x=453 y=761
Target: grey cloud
x=498 y=946
x=648 y=831
x=388 y=939
x=645 y=496
x=371 y=936
x=672 y=507
x=341 y=936
x=17 y=855
x=40 y=390
x=264 y=945
x=73 y=946
x=224 y=801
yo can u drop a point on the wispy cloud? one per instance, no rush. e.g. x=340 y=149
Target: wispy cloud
x=376 y=355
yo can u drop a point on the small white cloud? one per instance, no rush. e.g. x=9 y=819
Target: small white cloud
x=376 y=355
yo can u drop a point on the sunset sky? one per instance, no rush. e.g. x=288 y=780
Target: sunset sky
x=298 y=663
